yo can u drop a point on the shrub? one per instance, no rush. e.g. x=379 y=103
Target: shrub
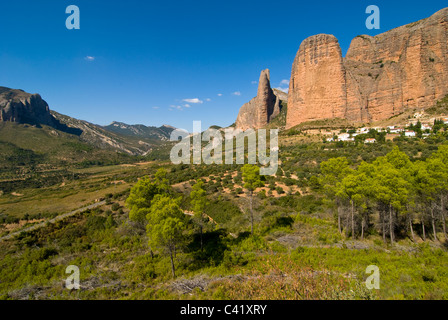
x=96 y=223
x=279 y=190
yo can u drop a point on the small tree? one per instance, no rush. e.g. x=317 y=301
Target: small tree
x=390 y=189
x=160 y=178
x=166 y=223
x=142 y=193
x=252 y=180
x=353 y=188
x=333 y=171
x=428 y=184
x=439 y=166
x=198 y=198
x=140 y=198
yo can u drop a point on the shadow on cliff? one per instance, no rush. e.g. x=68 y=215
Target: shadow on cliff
x=55 y=125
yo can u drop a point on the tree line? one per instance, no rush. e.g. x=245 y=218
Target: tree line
x=155 y=206
x=392 y=195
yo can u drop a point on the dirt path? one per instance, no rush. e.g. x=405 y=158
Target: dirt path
x=56 y=219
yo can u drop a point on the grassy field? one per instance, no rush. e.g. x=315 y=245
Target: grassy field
x=68 y=194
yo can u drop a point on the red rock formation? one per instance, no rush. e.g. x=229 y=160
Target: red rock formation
x=258 y=112
x=381 y=76
x=317 y=88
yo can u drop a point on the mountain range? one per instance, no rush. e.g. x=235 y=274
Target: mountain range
x=23 y=108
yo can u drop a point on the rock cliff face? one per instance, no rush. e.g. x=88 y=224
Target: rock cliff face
x=258 y=112
x=21 y=107
x=381 y=76
x=317 y=88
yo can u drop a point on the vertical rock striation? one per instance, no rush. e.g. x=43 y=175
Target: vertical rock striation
x=258 y=112
x=317 y=89
x=381 y=76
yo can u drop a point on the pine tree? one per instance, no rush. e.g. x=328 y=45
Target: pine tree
x=198 y=198
x=252 y=180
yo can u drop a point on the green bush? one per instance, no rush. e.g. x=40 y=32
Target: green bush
x=96 y=223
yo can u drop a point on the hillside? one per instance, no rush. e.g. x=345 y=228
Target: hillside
x=296 y=251
x=355 y=208
x=30 y=146
x=100 y=137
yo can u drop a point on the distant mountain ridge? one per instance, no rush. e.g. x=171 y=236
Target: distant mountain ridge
x=131 y=139
x=139 y=130
x=99 y=137
x=24 y=108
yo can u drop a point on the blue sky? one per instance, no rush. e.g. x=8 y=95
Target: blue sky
x=170 y=62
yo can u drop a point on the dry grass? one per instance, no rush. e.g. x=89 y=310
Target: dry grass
x=67 y=196
x=281 y=278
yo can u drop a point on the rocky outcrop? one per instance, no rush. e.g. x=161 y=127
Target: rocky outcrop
x=262 y=109
x=21 y=107
x=381 y=76
x=282 y=96
x=317 y=88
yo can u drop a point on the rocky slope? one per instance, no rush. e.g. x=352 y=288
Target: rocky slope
x=381 y=76
x=262 y=109
x=99 y=137
x=131 y=139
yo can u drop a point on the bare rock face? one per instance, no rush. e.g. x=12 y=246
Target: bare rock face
x=19 y=106
x=22 y=107
x=381 y=76
x=282 y=96
x=317 y=89
x=258 y=112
